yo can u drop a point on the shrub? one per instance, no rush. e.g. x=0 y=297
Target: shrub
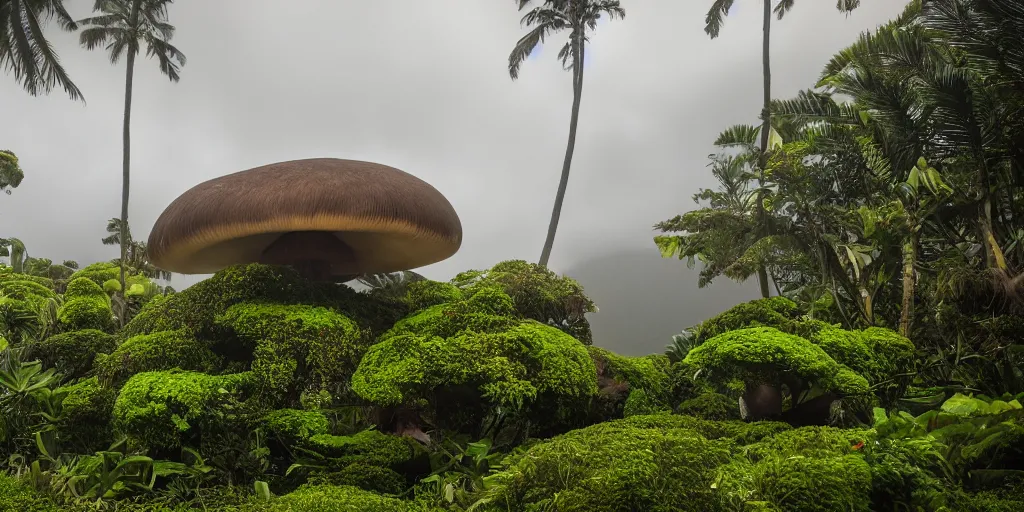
x=711 y=406
x=294 y=426
x=778 y=312
x=423 y=294
x=72 y=353
x=16 y=497
x=796 y=482
x=159 y=409
x=614 y=466
x=296 y=347
x=370 y=447
x=329 y=498
x=537 y=294
x=85 y=420
x=86 y=306
x=363 y=476
x=165 y=350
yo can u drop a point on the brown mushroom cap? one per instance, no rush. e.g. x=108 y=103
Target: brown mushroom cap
x=328 y=216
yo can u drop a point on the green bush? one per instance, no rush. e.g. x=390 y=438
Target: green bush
x=296 y=347
x=161 y=409
x=196 y=307
x=73 y=353
x=711 y=406
x=423 y=294
x=294 y=426
x=99 y=273
x=363 y=476
x=370 y=447
x=85 y=420
x=165 y=350
x=16 y=497
x=778 y=312
x=537 y=293
x=329 y=498
x=764 y=354
x=640 y=402
x=785 y=482
x=614 y=466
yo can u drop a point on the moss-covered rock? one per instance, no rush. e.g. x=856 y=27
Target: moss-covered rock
x=73 y=353
x=880 y=355
x=370 y=447
x=363 y=476
x=165 y=350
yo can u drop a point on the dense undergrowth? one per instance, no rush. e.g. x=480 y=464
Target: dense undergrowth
x=257 y=390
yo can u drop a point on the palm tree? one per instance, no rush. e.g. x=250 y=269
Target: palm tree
x=10 y=173
x=714 y=21
x=554 y=15
x=25 y=50
x=123 y=26
x=136 y=257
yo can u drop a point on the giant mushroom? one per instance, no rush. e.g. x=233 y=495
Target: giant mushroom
x=329 y=218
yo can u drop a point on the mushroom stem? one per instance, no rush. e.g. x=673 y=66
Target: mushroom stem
x=309 y=252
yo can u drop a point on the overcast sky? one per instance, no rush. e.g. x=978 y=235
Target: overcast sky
x=424 y=86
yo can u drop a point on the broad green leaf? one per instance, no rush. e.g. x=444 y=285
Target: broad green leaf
x=774 y=139
x=262 y=490
x=962 y=405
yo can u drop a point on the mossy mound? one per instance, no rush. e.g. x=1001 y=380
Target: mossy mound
x=73 y=353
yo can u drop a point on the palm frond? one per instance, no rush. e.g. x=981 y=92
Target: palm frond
x=716 y=17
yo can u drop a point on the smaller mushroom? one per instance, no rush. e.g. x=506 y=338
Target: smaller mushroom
x=331 y=219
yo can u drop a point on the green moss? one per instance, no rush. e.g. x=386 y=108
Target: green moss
x=537 y=293
x=647 y=372
x=85 y=420
x=80 y=288
x=21 y=287
x=296 y=347
x=423 y=294
x=799 y=483
x=294 y=426
x=363 y=476
x=762 y=354
x=876 y=353
x=641 y=402
x=328 y=498
x=153 y=352
x=158 y=409
x=16 y=497
x=711 y=406
x=370 y=447
x=778 y=312
x=820 y=442
x=86 y=313
x=614 y=466
x=196 y=307
x=509 y=368
x=72 y=353
x=99 y=273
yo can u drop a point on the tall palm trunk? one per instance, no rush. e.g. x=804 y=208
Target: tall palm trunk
x=577 y=90
x=907 y=310
x=762 y=274
x=126 y=163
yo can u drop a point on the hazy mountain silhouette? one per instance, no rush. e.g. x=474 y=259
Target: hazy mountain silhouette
x=643 y=299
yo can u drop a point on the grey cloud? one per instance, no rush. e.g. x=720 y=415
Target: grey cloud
x=424 y=86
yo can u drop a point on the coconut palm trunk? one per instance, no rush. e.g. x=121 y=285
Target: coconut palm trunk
x=563 y=182
x=907 y=307
x=126 y=141
x=762 y=274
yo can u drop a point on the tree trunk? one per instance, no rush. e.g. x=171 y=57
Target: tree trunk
x=762 y=274
x=577 y=87
x=126 y=141
x=907 y=311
